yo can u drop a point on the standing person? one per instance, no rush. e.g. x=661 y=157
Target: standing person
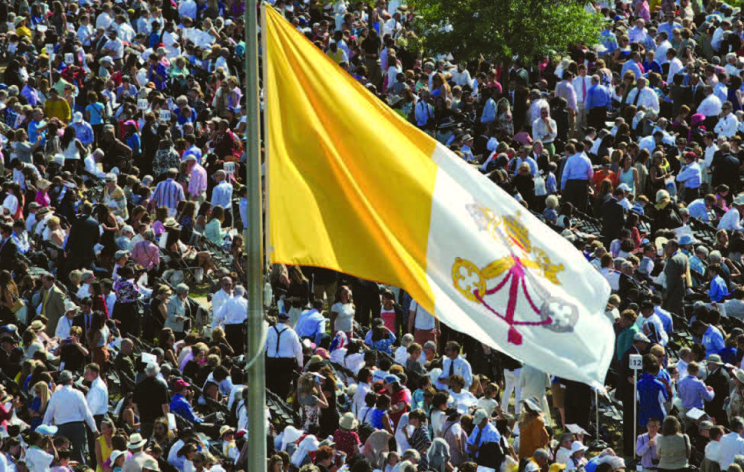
x=673 y=447
x=97 y=399
x=512 y=372
x=419 y=439
x=676 y=272
x=532 y=432
x=234 y=313
x=151 y=399
x=69 y=412
x=84 y=235
x=455 y=364
x=596 y=104
x=646 y=444
x=576 y=175
x=222 y=196
x=423 y=325
x=283 y=355
x=342 y=313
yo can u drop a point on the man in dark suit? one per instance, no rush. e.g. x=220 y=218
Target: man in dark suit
x=725 y=169
x=85 y=317
x=697 y=91
x=719 y=379
x=613 y=217
x=517 y=96
x=84 y=235
x=8 y=249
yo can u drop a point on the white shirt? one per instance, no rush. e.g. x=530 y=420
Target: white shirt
x=423 y=112
x=710 y=106
x=97 y=397
x=126 y=32
x=358 y=405
x=424 y=320
x=730 y=221
x=94 y=167
x=727 y=125
x=104 y=20
x=661 y=51
x=68 y=405
x=648 y=99
x=461 y=78
x=289 y=343
x=731 y=445
x=115 y=45
x=461 y=367
x=675 y=65
x=401 y=355
x=636 y=34
x=233 y=311
x=713 y=451
x=579 y=90
x=716 y=43
x=38 y=460
x=11 y=204
x=63 y=328
x=218 y=299
x=657 y=327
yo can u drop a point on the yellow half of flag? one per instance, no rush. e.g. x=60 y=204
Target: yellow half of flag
x=344 y=168
x=354 y=187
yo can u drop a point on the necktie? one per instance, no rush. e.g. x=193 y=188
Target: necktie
x=451 y=369
x=478 y=436
x=583 y=88
x=638 y=95
x=87 y=322
x=511 y=95
x=43 y=304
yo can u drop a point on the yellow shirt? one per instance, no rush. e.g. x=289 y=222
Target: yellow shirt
x=57 y=109
x=23 y=31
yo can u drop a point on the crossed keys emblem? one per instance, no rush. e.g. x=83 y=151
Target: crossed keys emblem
x=529 y=304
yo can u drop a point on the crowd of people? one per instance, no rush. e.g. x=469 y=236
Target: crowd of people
x=122 y=131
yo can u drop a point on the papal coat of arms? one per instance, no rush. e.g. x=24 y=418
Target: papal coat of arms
x=522 y=272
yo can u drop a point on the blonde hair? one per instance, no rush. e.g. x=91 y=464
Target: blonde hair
x=43 y=395
x=551 y=202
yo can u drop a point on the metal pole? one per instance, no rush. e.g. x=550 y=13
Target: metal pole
x=635 y=411
x=596 y=408
x=254 y=249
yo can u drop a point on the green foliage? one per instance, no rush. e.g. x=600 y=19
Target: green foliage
x=504 y=28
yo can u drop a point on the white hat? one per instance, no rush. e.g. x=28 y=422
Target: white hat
x=77 y=117
x=577 y=446
x=136 y=441
x=70 y=306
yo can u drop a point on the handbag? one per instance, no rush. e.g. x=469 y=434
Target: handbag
x=17 y=304
x=540 y=190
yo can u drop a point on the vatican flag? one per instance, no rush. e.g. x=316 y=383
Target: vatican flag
x=354 y=187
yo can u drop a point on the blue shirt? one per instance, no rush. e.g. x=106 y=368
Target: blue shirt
x=181 y=406
x=666 y=319
x=577 y=167
x=168 y=193
x=490 y=435
x=690 y=175
x=84 y=132
x=693 y=392
x=631 y=65
x=195 y=151
x=597 y=96
x=713 y=341
x=718 y=289
x=33 y=133
x=311 y=323
x=652 y=395
x=698 y=210
x=222 y=195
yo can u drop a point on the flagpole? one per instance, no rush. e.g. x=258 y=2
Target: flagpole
x=253 y=242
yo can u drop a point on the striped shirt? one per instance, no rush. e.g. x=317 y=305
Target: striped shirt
x=198 y=180
x=222 y=195
x=168 y=193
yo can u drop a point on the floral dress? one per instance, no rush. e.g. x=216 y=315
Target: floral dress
x=309 y=411
x=736 y=403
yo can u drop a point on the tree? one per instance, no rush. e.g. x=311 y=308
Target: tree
x=505 y=28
